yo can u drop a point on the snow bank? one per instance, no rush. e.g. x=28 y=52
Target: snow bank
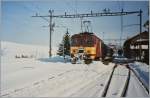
x=55 y=59
x=142 y=70
x=136 y=89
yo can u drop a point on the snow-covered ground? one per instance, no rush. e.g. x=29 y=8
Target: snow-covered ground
x=41 y=76
x=142 y=71
x=136 y=88
x=11 y=49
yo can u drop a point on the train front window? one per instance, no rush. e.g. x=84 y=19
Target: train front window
x=83 y=41
x=81 y=51
x=90 y=41
x=74 y=42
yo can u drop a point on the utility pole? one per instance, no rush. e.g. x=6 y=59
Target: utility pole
x=50 y=31
x=121 y=29
x=140 y=47
x=50 y=28
x=81 y=24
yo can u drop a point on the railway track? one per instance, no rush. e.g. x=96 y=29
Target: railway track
x=124 y=91
x=146 y=87
x=92 y=89
x=140 y=89
x=108 y=83
x=127 y=81
x=112 y=88
x=119 y=83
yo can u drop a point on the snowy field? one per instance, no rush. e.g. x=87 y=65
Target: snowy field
x=35 y=75
x=41 y=76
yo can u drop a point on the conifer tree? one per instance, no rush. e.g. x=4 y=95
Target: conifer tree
x=60 y=49
x=66 y=41
x=64 y=47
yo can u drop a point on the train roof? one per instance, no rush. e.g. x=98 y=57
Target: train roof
x=85 y=33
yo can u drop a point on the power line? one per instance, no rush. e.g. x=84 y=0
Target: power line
x=106 y=13
x=90 y=14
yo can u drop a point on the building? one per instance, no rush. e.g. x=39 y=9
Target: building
x=137 y=47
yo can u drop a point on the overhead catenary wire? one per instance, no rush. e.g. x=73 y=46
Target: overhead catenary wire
x=50 y=16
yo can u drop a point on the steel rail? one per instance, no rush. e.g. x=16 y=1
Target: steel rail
x=125 y=89
x=145 y=87
x=108 y=83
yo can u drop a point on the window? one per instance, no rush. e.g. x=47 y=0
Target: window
x=90 y=41
x=81 y=51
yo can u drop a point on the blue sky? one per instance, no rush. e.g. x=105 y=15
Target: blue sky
x=19 y=26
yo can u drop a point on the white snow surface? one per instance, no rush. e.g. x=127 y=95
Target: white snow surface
x=40 y=76
x=11 y=49
x=136 y=88
x=142 y=71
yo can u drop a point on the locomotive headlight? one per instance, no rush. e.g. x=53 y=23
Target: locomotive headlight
x=74 y=51
x=88 y=51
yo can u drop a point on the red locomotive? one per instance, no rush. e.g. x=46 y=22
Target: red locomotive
x=87 y=46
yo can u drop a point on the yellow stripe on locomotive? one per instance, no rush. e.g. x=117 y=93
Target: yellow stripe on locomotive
x=91 y=51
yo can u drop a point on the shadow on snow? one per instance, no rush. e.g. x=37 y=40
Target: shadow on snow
x=55 y=59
